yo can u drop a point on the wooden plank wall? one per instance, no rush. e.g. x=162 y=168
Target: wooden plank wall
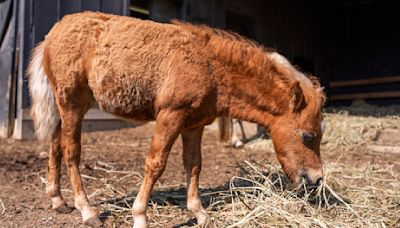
x=36 y=17
x=7 y=60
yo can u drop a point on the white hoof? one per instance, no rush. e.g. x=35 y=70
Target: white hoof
x=88 y=213
x=57 y=202
x=201 y=218
x=238 y=143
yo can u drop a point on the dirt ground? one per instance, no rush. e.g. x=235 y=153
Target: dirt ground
x=112 y=164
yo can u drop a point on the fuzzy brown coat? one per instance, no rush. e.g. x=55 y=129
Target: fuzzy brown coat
x=181 y=75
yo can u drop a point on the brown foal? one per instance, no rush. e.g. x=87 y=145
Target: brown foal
x=182 y=76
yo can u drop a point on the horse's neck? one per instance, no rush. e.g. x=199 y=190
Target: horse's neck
x=240 y=97
x=247 y=89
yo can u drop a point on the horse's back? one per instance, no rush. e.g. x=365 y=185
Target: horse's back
x=126 y=64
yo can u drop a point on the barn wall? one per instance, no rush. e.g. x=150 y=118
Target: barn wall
x=36 y=17
x=364 y=43
x=7 y=59
x=335 y=40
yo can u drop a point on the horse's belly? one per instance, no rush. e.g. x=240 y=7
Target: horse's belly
x=129 y=99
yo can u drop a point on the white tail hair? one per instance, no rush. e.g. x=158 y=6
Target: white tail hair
x=44 y=109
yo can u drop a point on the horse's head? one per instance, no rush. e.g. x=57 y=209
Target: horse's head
x=297 y=136
x=298 y=131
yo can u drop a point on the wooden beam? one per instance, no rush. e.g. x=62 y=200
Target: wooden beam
x=95 y=120
x=7 y=61
x=361 y=82
x=372 y=95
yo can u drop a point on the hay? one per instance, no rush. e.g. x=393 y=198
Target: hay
x=367 y=196
x=374 y=190
x=348 y=130
x=261 y=199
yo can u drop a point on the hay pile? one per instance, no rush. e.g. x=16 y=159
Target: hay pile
x=367 y=196
x=350 y=130
x=261 y=199
x=373 y=191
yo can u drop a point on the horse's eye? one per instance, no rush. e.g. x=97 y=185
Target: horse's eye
x=307 y=137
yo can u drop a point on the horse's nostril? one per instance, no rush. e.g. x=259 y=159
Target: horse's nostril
x=319 y=181
x=304 y=177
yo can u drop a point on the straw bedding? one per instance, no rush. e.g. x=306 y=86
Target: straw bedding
x=351 y=196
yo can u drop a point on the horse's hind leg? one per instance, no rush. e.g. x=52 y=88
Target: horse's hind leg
x=53 y=174
x=71 y=114
x=192 y=162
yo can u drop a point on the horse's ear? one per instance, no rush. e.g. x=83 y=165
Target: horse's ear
x=297 y=99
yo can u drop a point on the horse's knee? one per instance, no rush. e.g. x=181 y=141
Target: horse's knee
x=155 y=167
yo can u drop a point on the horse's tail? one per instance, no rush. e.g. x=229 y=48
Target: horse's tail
x=44 y=109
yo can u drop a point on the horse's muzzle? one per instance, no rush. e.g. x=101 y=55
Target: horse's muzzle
x=310 y=182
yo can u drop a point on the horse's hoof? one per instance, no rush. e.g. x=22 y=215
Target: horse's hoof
x=94 y=222
x=238 y=144
x=64 y=209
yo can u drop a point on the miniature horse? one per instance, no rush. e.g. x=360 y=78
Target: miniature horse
x=182 y=76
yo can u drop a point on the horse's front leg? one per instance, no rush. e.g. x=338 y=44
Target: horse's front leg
x=192 y=162
x=235 y=140
x=169 y=124
x=53 y=174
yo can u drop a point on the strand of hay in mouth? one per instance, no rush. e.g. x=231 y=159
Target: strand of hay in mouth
x=261 y=199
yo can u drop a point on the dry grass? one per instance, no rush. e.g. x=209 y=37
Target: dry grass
x=349 y=197
x=374 y=191
x=261 y=199
x=350 y=130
